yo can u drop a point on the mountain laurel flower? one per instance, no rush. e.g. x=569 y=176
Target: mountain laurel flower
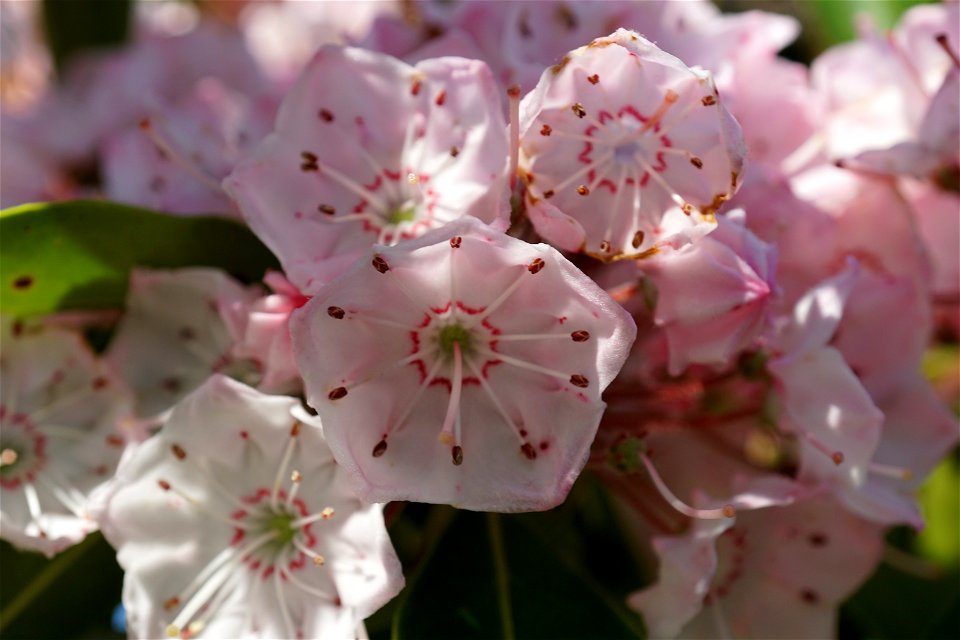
x=60 y=435
x=626 y=148
x=173 y=335
x=405 y=150
x=464 y=367
x=234 y=521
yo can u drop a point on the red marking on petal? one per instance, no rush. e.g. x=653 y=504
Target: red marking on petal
x=415 y=87
x=594 y=79
x=392 y=175
x=99 y=382
x=325 y=115
x=546 y=130
x=238 y=535
x=469 y=310
x=114 y=440
x=441 y=98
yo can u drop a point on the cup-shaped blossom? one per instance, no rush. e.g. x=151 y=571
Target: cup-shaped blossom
x=626 y=148
x=60 y=435
x=714 y=295
x=769 y=570
x=234 y=521
x=464 y=367
x=173 y=335
x=341 y=173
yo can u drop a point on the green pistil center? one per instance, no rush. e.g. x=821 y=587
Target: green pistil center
x=455 y=334
x=403 y=213
x=281 y=523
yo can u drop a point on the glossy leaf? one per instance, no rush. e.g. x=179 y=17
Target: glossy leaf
x=517 y=576
x=78 y=255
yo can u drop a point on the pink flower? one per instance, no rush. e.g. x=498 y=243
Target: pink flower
x=626 y=149
x=713 y=296
x=173 y=335
x=235 y=522
x=772 y=570
x=60 y=439
x=464 y=367
x=175 y=158
x=339 y=174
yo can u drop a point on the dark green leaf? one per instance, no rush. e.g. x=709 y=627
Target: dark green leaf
x=76 y=25
x=515 y=576
x=78 y=255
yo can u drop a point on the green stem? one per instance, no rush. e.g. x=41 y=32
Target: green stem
x=50 y=573
x=502 y=572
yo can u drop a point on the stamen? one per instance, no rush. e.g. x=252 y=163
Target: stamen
x=819 y=445
x=727 y=511
x=493 y=306
x=295 y=479
x=326 y=514
x=306 y=588
x=513 y=93
x=535 y=336
x=284 y=609
x=603 y=160
x=523 y=364
x=178 y=158
x=447 y=435
x=282 y=469
x=213 y=576
x=668 y=101
x=496 y=402
x=943 y=41
x=889 y=471
x=201 y=506
x=33 y=505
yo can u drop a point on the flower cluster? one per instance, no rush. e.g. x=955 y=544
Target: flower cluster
x=517 y=240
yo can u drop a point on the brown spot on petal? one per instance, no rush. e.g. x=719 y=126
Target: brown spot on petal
x=548 y=194
x=178 y=452
x=415 y=87
x=578 y=110
x=326 y=209
x=309 y=161
x=583 y=190
x=708 y=101
x=637 y=239
x=578 y=380
x=697 y=162
x=457 y=454
x=325 y=115
x=580 y=336
x=454 y=152
x=380 y=264
x=536 y=265
x=337 y=393
x=546 y=130
x=809 y=596
x=528 y=450
x=455 y=242
x=817 y=539
x=23 y=282
x=594 y=79
x=114 y=440
x=380 y=449
x=336 y=312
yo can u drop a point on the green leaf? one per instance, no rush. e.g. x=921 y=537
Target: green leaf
x=78 y=255
x=940 y=501
x=512 y=576
x=76 y=25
